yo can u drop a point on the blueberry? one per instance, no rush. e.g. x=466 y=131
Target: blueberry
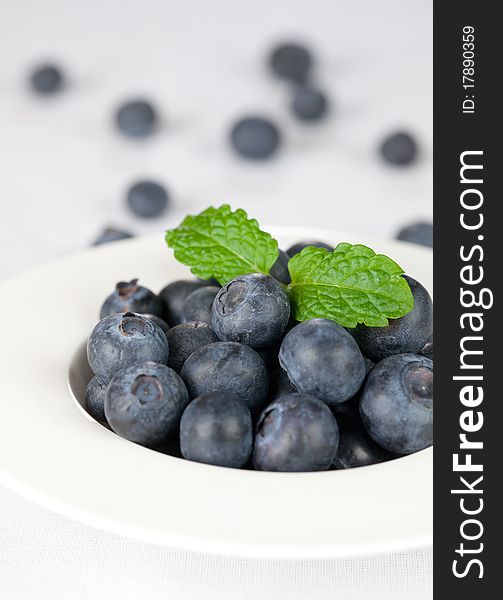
x=123 y=339
x=397 y=403
x=251 y=309
x=280 y=384
x=95 y=399
x=186 y=338
x=417 y=233
x=136 y=118
x=216 y=429
x=357 y=449
x=173 y=298
x=279 y=270
x=110 y=234
x=269 y=355
x=147 y=199
x=291 y=61
x=399 y=149
x=212 y=281
x=322 y=359
x=227 y=367
x=158 y=321
x=407 y=334
x=131 y=297
x=427 y=349
x=369 y=365
x=255 y=138
x=47 y=79
x=348 y=411
x=296 y=248
x=297 y=432
x=309 y=104
x=197 y=305
x=144 y=403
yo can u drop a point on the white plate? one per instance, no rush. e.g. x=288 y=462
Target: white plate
x=51 y=453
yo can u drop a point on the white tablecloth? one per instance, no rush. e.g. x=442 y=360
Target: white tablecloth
x=63 y=172
x=43 y=555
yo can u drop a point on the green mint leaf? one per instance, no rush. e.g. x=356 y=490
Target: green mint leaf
x=350 y=285
x=222 y=244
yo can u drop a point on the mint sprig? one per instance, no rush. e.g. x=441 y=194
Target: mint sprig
x=350 y=285
x=222 y=244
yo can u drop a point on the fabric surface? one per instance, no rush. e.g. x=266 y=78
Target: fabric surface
x=44 y=555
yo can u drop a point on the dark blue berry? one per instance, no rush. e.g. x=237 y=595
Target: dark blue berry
x=357 y=449
x=47 y=79
x=198 y=304
x=212 y=281
x=399 y=149
x=279 y=270
x=131 y=297
x=255 y=138
x=147 y=199
x=185 y=338
x=269 y=355
x=144 y=403
x=296 y=432
x=173 y=297
x=123 y=339
x=397 y=403
x=227 y=367
x=309 y=104
x=427 y=349
x=136 y=118
x=417 y=233
x=407 y=334
x=291 y=61
x=348 y=411
x=110 y=234
x=95 y=399
x=252 y=309
x=296 y=248
x=280 y=384
x=216 y=429
x=158 y=321
x=323 y=360
x=369 y=365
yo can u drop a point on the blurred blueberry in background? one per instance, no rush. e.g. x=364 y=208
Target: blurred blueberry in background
x=291 y=61
x=417 y=233
x=136 y=119
x=255 y=137
x=47 y=79
x=147 y=199
x=309 y=104
x=111 y=234
x=399 y=149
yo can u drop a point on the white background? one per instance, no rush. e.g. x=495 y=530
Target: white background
x=64 y=170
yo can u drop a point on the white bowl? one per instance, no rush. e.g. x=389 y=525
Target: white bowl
x=55 y=455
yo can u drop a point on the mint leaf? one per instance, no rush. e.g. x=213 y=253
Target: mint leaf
x=350 y=285
x=223 y=244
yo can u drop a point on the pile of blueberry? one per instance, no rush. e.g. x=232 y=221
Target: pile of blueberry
x=225 y=376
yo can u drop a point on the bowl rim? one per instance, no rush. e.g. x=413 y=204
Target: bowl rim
x=76 y=497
